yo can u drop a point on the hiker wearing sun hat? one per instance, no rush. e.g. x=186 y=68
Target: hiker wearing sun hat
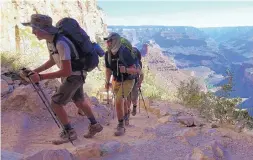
x=61 y=51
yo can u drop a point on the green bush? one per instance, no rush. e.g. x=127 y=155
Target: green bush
x=13 y=61
x=212 y=107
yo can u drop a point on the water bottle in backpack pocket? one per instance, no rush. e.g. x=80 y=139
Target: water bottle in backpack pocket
x=98 y=49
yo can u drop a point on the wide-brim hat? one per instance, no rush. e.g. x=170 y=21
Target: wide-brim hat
x=42 y=22
x=112 y=36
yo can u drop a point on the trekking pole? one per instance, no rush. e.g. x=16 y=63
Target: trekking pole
x=49 y=110
x=139 y=103
x=58 y=123
x=123 y=96
x=111 y=105
x=144 y=102
x=114 y=107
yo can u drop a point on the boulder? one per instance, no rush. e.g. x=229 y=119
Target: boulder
x=61 y=154
x=8 y=155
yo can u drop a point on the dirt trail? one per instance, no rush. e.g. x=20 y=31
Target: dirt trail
x=146 y=138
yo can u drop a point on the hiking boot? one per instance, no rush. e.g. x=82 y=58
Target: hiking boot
x=65 y=137
x=134 y=111
x=120 y=130
x=93 y=129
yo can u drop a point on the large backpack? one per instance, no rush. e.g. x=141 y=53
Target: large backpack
x=138 y=56
x=85 y=56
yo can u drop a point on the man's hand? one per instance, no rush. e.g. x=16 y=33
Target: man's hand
x=23 y=73
x=35 y=77
x=122 y=69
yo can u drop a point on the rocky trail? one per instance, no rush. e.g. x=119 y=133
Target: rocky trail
x=162 y=136
x=172 y=132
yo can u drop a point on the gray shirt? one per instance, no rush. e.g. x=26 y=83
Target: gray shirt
x=61 y=55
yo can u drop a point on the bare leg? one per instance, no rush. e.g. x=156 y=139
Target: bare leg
x=60 y=113
x=85 y=106
x=119 y=109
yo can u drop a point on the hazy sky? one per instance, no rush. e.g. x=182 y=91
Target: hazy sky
x=200 y=13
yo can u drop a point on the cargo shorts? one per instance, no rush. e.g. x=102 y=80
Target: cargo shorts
x=117 y=88
x=70 y=89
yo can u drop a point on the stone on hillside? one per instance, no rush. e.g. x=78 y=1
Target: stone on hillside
x=102 y=113
x=186 y=120
x=92 y=150
x=110 y=147
x=214 y=125
x=164 y=119
x=24 y=98
x=52 y=84
x=7 y=155
x=5 y=89
x=7 y=79
x=239 y=126
x=197 y=154
x=198 y=121
x=209 y=151
x=60 y=154
x=165 y=110
x=182 y=135
x=187 y=132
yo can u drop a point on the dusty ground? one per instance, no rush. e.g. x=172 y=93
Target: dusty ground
x=147 y=138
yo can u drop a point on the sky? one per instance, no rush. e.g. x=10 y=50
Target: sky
x=201 y=13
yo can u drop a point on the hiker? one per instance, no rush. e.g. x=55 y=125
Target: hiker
x=133 y=98
x=61 y=50
x=121 y=65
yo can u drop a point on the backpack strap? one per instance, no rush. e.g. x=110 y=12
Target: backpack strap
x=74 y=53
x=121 y=56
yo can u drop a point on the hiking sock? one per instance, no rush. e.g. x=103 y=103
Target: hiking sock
x=135 y=106
x=92 y=120
x=121 y=122
x=67 y=127
x=126 y=116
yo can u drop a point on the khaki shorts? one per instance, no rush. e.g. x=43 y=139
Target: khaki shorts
x=70 y=89
x=117 y=89
x=134 y=93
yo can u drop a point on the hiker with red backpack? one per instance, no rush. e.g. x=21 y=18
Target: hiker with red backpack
x=72 y=51
x=120 y=64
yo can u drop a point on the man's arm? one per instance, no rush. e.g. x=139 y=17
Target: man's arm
x=108 y=74
x=48 y=64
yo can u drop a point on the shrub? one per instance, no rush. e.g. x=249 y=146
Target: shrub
x=212 y=107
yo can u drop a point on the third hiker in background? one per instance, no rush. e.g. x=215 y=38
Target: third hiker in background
x=133 y=98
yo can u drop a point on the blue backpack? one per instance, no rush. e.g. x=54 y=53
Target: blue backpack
x=83 y=52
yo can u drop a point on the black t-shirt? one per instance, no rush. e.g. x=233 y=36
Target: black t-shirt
x=115 y=62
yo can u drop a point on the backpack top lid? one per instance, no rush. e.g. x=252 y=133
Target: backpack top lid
x=70 y=28
x=87 y=58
